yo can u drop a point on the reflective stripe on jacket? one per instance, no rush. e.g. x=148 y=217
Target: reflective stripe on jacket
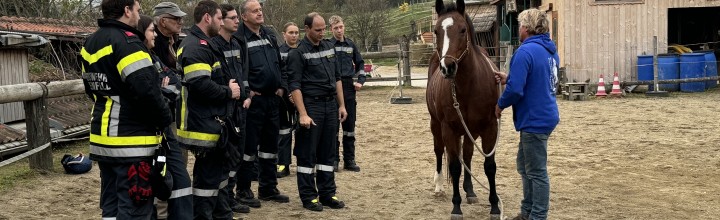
x=205 y=95
x=129 y=109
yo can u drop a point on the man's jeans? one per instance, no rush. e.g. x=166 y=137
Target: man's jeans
x=532 y=166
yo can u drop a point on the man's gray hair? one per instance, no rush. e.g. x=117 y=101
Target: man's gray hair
x=243 y=6
x=156 y=20
x=535 y=21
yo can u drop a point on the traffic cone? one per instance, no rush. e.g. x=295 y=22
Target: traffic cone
x=601 y=88
x=616 y=92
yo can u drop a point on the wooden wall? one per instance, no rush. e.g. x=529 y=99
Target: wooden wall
x=602 y=38
x=13 y=70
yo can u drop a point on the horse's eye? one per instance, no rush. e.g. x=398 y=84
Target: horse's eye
x=462 y=31
x=435 y=31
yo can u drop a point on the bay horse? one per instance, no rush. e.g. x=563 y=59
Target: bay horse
x=460 y=68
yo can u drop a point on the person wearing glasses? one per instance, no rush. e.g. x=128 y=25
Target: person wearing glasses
x=167 y=20
x=232 y=65
x=168 y=24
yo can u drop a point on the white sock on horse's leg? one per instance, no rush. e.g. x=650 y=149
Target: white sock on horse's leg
x=438 y=183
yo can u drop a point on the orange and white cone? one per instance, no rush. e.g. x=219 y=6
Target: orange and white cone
x=616 y=87
x=601 y=87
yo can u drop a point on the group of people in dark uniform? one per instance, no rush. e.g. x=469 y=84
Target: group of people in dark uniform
x=231 y=95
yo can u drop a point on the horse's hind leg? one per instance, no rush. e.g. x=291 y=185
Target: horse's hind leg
x=467 y=181
x=489 y=135
x=452 y=144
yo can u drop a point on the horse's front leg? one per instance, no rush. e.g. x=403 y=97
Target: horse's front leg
x=467 y=181
x=490 y=169
x=488 y=142
x=454 y=169
x=438 y=172
x=439 y=150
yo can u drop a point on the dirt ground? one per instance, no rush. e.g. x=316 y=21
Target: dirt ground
x=630 y=158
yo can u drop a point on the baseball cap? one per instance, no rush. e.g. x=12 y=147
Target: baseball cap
x=168 y=8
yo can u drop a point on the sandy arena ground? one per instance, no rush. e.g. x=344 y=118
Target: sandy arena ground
x=630 y=158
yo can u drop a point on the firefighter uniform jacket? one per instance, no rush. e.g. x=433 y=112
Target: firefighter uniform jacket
x=232 y=62
x=129 y=110
x=206 y=100
x=313 y=69
x=284 y=51
x=347 y=55
x=264 y=73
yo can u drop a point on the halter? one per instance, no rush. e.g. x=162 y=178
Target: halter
x=456 y=61
x=456 y=104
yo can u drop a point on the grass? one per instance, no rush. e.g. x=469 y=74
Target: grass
x=398 y=22
x=19 y=172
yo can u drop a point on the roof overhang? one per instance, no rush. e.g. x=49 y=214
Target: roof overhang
x=18 y=39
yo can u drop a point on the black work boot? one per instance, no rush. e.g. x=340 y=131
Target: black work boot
x=282 y=171
x=241 y=208
x=246 y=197
x=274 y=195
x=333 y=203
x=351 y=166
x=313 y=205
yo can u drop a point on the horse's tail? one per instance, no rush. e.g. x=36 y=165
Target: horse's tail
x=447 y=168
x=448 y=158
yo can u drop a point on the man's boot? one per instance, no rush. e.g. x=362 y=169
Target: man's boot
x=246 y=197
x=351 y=166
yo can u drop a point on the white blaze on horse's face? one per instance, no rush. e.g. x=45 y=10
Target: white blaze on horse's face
x=446 y=40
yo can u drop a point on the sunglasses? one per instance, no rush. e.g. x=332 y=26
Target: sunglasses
x=177 y=19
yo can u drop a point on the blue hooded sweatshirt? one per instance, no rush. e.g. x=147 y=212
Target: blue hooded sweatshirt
x=531 y=88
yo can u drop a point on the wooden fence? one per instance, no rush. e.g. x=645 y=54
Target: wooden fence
x=403 y=55
x=33 y=96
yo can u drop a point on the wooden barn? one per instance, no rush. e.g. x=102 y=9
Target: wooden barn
x=605 y=36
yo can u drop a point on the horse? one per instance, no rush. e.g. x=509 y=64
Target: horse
x=461 y=78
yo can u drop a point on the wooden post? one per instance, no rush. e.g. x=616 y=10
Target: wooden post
x=405 y=56
x=655 y=63
x=38 y=131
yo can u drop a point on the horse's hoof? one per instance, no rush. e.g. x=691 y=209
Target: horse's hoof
x=440 y=194
x=472 y=200
x=456 y=217
x=495 y=217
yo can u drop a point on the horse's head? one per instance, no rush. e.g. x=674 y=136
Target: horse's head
x=452 y=36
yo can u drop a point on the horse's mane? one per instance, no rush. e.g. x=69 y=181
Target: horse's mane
x=468 y=21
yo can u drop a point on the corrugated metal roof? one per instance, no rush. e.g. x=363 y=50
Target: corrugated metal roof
x=69 y=111
x=45 y=26
x=69 y=114
x=483 y=16
x=8 y=134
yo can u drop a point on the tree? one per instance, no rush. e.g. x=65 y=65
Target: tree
x=367 y=20
x=279 y=12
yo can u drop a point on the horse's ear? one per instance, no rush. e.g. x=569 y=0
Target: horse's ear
x=439 y=6
x=461 y=6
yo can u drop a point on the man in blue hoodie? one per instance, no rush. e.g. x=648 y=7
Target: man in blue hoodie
x=531 y=92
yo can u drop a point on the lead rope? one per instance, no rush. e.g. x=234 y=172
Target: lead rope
x=456 y=105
